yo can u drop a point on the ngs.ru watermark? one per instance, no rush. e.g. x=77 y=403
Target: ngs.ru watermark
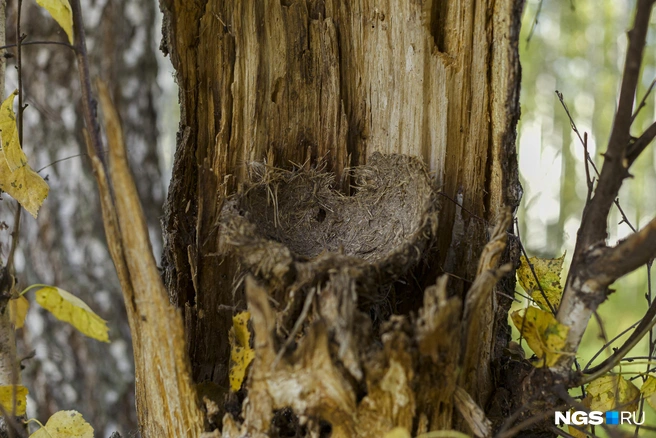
x=594 y=418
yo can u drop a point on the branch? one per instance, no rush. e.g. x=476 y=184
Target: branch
x=89 y=104
x=625 y=257
x=615 y=169
x=594 y=266
x=635 y=149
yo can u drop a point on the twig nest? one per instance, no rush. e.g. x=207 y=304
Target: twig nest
x=291 y=226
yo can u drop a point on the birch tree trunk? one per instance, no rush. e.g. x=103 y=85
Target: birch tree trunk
x=293 y=84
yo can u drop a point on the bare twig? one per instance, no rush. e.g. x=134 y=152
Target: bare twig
x=535 y=22
x=594 y=267
x=643 y=101
x=609 y=343
x=89 y=104
x=39 y=43
x=535 y=275
x=593 y=224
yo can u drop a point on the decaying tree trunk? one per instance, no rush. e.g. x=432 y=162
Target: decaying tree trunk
x=287 y=175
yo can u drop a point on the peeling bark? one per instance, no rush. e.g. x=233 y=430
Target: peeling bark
x=291 y=84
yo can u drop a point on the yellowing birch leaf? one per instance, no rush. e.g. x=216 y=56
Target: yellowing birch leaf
x=69 y=308
x=13 y=154
x=548 y=272
x=608 y=393
x=16 y=177
x=62 y=13
x=7 y=398
x=648 y=391
x=241 y=353
x=543 y=334
x=18 y=310
x=65 y=424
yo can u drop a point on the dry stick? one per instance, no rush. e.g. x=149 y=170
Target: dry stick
x=89 y=104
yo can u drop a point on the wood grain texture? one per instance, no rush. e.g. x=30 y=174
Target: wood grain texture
x=292 y=81
x=166 y=399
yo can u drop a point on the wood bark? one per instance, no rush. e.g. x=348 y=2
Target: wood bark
x=304 y=81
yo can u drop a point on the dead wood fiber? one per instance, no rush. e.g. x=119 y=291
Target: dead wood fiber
x=289 y=225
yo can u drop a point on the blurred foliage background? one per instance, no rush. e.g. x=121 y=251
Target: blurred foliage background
x=577 y=47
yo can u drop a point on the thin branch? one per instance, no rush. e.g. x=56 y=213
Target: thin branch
x=535 y=275
x=609 y=343
x=588 y=180
x=643 y=328
x=643 y=101
x=535 y=22
x=593 y=225
x=627 y=256
x=529 y=422
x=589 y=161
x=635 y=149
x=40 y=43
x=651 y=339
x=89 y=104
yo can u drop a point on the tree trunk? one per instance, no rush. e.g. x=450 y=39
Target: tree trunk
x=303 y=84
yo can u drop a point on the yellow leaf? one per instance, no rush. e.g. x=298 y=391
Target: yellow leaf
x=398 y=432
x=7 y=399
x=548 y=272
x=609 y=393
x=241 y=353
x=69 y=308
x=13 y=154
x=18 y=310
x=543 y=333
x=61 y=12
x=65 y=424
x=648 y=391
x=16 y=177
x=24 y=185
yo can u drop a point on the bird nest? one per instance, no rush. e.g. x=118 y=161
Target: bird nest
x=290 y=226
